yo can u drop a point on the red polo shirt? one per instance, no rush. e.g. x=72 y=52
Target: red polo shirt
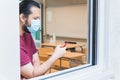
x=27 y=49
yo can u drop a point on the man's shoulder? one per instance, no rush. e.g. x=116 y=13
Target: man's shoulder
x=27 y=34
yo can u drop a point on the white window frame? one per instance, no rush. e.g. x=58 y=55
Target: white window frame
x=100 y=70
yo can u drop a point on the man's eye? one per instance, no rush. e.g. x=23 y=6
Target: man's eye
x=36 y=18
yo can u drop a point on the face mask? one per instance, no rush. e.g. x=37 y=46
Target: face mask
x=35 y=25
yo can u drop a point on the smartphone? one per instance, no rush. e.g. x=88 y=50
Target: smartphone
x=66 y=42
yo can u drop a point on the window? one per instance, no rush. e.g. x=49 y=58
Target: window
x=75 y=21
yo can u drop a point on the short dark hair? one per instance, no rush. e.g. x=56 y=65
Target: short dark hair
x=25 y=6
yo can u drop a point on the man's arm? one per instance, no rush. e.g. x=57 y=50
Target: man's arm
x=36 y=60
x=30 y=71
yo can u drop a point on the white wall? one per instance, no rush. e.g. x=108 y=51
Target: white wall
x=9 y=40
x=67 y=21
x=114 y=37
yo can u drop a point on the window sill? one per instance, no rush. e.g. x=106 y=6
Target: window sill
x=90 y=73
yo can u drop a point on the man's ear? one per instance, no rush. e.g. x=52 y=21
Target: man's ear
x=22 y=18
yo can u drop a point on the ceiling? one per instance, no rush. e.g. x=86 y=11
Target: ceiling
x=62 y=2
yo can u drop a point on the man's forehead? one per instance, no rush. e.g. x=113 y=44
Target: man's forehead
x=35 y=11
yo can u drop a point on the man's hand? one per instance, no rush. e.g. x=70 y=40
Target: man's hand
x=59 y=51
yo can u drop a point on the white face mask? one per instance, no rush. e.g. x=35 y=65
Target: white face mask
x=35 y=25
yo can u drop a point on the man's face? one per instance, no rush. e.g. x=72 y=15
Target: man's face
x=35 y=14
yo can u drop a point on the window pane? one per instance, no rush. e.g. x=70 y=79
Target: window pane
x=71 y=23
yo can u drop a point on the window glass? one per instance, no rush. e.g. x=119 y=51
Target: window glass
x=71 y=23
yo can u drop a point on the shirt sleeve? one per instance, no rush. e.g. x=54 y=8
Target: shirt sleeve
x=24 y=58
